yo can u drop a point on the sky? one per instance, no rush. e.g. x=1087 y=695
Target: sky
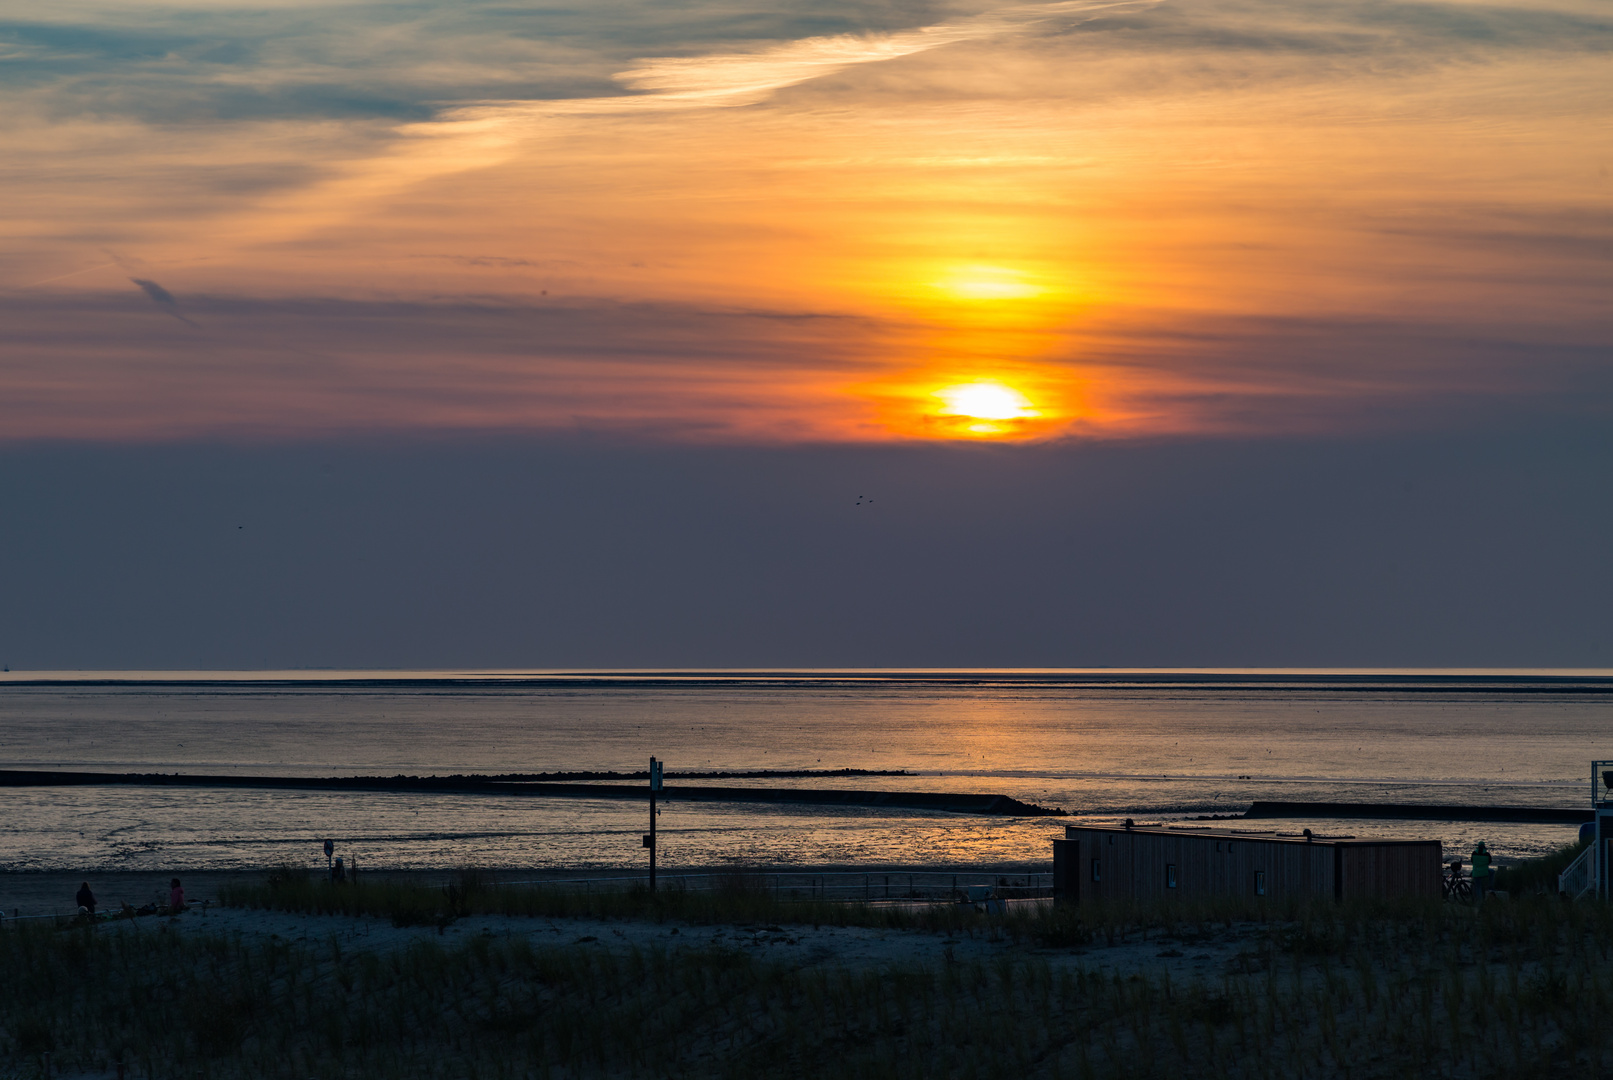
x=711 y=333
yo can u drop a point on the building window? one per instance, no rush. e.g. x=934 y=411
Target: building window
x=1260 y=883
x=1229 y=846
x=1218 y=845
x=1170 y=875
x=1096 y=876
x=1111 y=840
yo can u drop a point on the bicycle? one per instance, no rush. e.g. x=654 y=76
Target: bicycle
x=1453 y=886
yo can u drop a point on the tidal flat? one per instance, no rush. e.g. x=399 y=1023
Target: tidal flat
x=296 y=978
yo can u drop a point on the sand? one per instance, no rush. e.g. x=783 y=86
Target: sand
x=53 y=893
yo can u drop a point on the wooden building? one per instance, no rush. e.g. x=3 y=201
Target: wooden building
x=1098 y=863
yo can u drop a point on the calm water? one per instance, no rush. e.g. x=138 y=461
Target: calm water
x=1103 y=746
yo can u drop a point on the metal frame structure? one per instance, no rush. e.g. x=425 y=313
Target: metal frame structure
x=1602 y=806
x=1590 y=874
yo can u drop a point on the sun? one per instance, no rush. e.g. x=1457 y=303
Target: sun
x=988 y=283
x=985 y=401
x=1012 y=403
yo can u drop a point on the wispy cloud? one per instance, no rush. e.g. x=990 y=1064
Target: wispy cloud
x=1231 y=215
x=742 y=77
x=69 y=274
x=182 y=62
x=482 y=134
x=87 y=366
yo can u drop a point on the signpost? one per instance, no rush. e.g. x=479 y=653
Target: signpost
x=649 y=838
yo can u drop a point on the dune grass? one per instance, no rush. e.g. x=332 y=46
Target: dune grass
x=1538 y=875
x=741 y=899
x=1359 y=990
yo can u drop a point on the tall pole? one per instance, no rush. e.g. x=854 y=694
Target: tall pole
x=654 y=778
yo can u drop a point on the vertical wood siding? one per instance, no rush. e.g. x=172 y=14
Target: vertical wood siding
x=1133 y=865
x=1383 y=870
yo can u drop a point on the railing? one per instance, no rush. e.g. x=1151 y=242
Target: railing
x=920 y=886
x=106 y=914
x=846 y=887
x=1580 y=877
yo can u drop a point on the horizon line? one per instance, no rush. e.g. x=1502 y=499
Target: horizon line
x=511 y=675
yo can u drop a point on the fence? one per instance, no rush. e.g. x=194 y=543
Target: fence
x=920 y=886
x=925 y=886
x=105 y=914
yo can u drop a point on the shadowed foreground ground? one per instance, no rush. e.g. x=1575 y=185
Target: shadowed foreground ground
x=436 y=982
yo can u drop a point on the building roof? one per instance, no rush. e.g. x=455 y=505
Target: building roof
x=1261 y=835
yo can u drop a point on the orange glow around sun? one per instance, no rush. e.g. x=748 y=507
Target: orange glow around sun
x=985 y=368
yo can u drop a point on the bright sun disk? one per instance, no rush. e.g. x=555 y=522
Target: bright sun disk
x=986 y=401
x=988 y=283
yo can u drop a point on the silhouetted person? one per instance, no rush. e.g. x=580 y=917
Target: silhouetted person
x=86 y=899
x=338 y=873
x=1481 y=871
x=176 y=897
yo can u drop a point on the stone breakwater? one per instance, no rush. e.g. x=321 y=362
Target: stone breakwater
x=945 y=801
x=1417 y=812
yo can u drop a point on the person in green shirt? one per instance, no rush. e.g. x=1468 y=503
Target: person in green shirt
x=1481 y=871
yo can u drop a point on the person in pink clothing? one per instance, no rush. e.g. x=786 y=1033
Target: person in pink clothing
x=176 y=897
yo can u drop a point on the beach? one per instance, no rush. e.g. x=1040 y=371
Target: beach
x=743 y=986
x=500 y=929
x=1100 y=746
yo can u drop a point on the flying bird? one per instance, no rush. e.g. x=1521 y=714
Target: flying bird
x=162 y=298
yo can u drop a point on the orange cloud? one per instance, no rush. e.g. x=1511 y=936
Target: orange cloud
x=1140 y=227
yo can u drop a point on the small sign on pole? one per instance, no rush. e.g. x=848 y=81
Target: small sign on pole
x=649 y=839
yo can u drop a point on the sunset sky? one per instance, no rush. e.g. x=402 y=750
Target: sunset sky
x=1159 y=332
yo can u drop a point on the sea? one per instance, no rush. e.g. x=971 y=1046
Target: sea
x=1103 y=745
